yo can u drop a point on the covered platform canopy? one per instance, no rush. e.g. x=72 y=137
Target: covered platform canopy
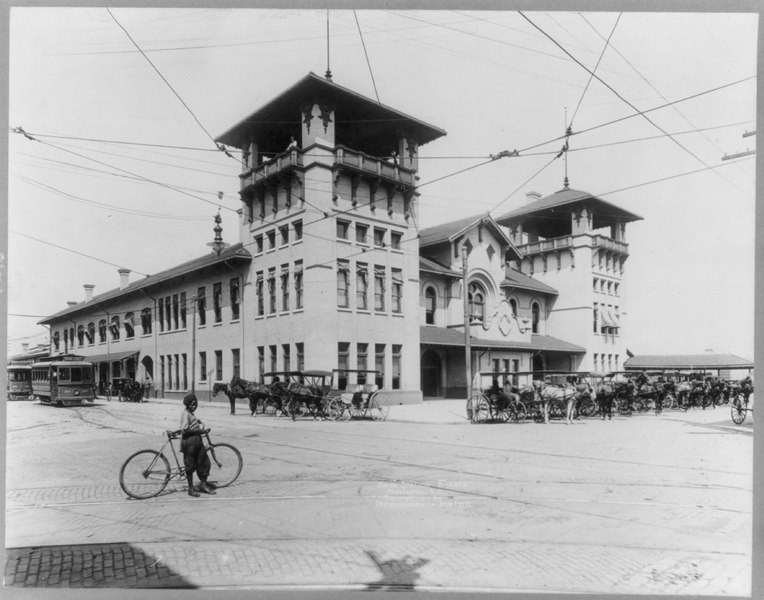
x=682 y=362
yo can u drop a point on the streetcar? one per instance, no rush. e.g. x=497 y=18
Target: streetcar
x=19 y=382
x=63 y=381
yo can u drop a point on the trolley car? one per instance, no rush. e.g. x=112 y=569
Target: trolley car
x=19 y=382
x=63 y=381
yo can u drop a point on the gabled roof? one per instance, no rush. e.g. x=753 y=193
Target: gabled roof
x=448 y=336
x=516 y=279
x=448 y=232
x=547 y=210
x=687 y=361
x=235 y=252
x=429 y=265
x=351 y=105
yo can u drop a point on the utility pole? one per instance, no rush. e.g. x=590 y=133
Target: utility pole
x=193 y=344
x=467 y=349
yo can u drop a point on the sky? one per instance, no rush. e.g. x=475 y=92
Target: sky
x=122 y=105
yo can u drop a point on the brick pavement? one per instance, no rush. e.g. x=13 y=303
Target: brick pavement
x=377 y=565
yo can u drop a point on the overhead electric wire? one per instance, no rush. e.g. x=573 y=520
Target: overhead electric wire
x=366 y=54
x=84 y=139
x=172 y=89
x=526 y=182
x=73 y=251
x=642 y=113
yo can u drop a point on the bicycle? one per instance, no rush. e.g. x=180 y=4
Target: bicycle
x=146 y=473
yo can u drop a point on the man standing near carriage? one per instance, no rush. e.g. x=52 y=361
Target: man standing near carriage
x=605 y=398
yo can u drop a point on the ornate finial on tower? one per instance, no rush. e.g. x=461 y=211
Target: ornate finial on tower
x=565 y=149
x=218 y=245
x=328 y=73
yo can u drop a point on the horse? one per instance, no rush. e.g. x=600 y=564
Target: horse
x=568 y=394
x=311 y=396
x=241 y=388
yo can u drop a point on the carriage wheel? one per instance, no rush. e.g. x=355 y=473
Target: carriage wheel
x=738 y=410
x=669 y=401
x=379 y=406
x=519 y=412
x=623 y=405
x=503 y=411
x=477 y=408
x=705 y=400
x=587 y=407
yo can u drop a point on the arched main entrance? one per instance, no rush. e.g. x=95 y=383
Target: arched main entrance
x=432 y=368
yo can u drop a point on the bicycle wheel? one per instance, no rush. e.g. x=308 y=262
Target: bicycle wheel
x=225 y=464
x=145 y=474
x=379 y=406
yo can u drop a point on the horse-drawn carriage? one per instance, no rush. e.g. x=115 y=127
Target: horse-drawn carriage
x=509 y=401
x=361 y=399
x=739 y=399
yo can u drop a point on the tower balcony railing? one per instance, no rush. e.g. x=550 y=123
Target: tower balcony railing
x=549 y=245
x=610 y=245
x=274 y=166
x=366 y=164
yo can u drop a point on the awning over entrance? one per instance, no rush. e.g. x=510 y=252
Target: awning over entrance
x=444 y=336
x=112 y=357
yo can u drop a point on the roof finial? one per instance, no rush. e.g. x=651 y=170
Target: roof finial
x=565 y=148
x=328 y=74
x=218 y=245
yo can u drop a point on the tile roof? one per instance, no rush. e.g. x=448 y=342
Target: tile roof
x=432 y=266
x=516 y=279
x=232 y=252
x=448 y=336
x=687 y=361
x=566 y=197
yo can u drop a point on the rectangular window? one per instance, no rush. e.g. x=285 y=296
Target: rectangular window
x=217 y=301
x=362 y=286
x=395 y=240
x=515 y=369
x=201 y=306
x=379 y=364
x=300 y=347
x=202 y=366
x=183 y=310
x=175 y=311
x=343 y=285
x=161 y=370
x=379 y=288
x=274 y=358
x=169 y=372
x=284 y=234
x=297 y=230
x=261 y=360
x=146 y=321
x=343 y=364
x=258 y=244
x=284 y=287
x=236 y=364
x=177 y=372
x=271 y=239
x=218 y=365
x=595 y=314
x=497 y=365
x=379 y=237
x=361 y=233
x=234 y=291
x=168 y=312
x=397 y=291
x=259 y=294
x=285 y=357
x=343 y=228
x=298 y=284
x=184 y=359
x=271 y=291
x=397 y=352
x=362 y=362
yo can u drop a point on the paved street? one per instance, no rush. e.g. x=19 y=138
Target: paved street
x=422 y=501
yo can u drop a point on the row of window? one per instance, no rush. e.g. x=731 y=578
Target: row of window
x=363 y=271
x=605 y=362
x=265 y=281
x=365 y=235
x=271 y=363
x=171 y=316
x=362 y=359
x=173 y=368
x=606 y=319
x=603 y=286
x=280 y=236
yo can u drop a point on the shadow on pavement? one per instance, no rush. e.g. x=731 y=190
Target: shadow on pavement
x=119 y=565
x=397 y=573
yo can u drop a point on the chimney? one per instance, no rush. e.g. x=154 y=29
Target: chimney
x=532 y=196
x=88 y=291
x=124 y=278
x=71 y=303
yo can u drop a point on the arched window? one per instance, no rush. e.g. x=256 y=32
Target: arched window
x=102 y=330
x=430 y=302
x=81 y=334
x=114 y=327
x=535 y=315
x=129 y=326
x=476 y=299
x=56 y=340
x=91 y=332
x=513 y=306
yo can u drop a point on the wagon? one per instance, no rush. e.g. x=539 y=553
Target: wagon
x=359 y=400
x=740 y=397
x=492 y=403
